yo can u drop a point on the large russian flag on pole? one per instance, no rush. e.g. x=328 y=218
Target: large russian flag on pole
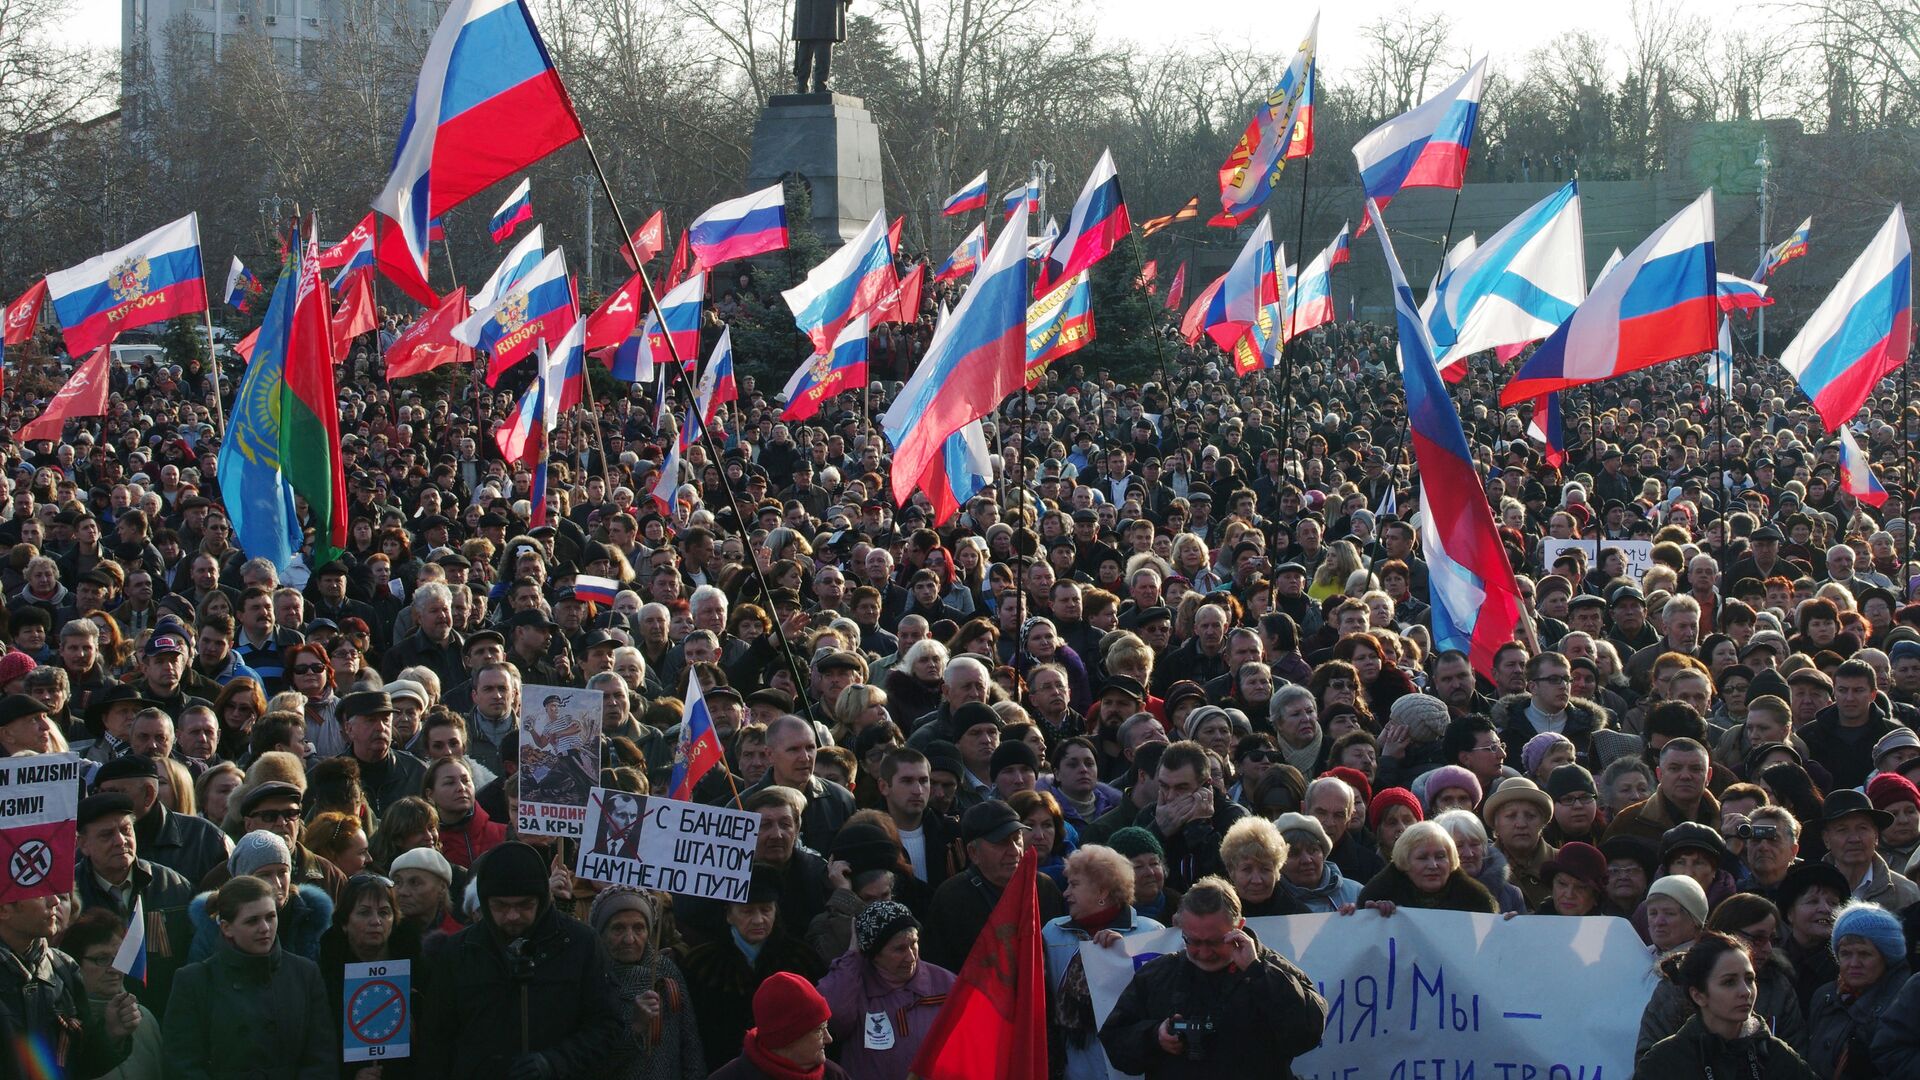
x=971 y=197
x=962 y=470
x=488 y=104
x=150 y=280
x=1856 y=474
x=1476 y=602
x=1281 y=129
x=845 y=284
x=539 y=307
x=1861 y=331
x=971 y=368
x=1098 y=224
x=1658 y=304
x=1310 y=301
x=717 y=385
x=516 y=210
x=1424 y=147
x=564 y=374
x=518 y=436
x=735 y=229
x=834 y=371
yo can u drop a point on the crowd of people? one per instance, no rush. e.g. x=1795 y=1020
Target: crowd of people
x=1181 y=655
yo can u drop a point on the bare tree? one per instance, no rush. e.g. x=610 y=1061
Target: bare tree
x=1407 y=46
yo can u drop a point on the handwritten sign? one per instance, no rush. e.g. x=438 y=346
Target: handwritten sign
x=1639 y=553
x=559 y=758
x=649 y=842
x=39 y=802
x=1444 y=994
x=377 y=1015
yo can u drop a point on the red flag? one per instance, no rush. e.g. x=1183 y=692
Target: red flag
x=245 y=345
x=1178 y=290
x=613 y=321
x=341 y=253
x=1194 y=324
x=646 y=241
x=681 y=266
x=355 y=315
x=396 y=262
x=902 y=305
x=84 y=395
x=1150 y=275
x=995 y=1020
x=24 y=314
x=893 y=234
x=429 y=343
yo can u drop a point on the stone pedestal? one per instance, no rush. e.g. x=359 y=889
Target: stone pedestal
x=832 y=144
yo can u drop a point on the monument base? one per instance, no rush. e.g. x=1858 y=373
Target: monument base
x=830 y=142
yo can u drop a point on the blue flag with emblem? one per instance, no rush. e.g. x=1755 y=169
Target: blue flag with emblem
x=257 y=495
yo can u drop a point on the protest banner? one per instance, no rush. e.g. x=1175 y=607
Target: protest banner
x=376 y=1021
x=1639 y=553
x=1423 y=995
x=559 y=758
x=39 y=801
x=650 y=842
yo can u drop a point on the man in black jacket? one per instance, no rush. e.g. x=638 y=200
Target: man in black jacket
x=387 y=775
x=1223 y=1006
x=524 y=994
x=995 y=840
x=43 y=1003
x=184 y=843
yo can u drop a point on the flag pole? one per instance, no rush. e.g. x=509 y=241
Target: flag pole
x=1159 y=350
x=1446 y=248
x=1906 y=478
x=706 y=435
x=1292 y=350
x=213 y=356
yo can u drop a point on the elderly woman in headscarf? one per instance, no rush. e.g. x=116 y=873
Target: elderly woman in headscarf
x=1099 y=898
x=662 y=1012
x=1040 y=643
x=883 y=996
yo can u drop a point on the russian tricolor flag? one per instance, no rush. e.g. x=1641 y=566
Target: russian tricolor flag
x=1310 y=300
x=595 y=590
x=961 y=471
x=1244 y=314
x=1098 y=224
x=1657 y=305
x=1424 y=147
x=1856 y=474
x=1028 y=193
x=967 y=257
x=517 y=209
x=971 y=197
x=242 y=286
x=150 y=280
x=1785 y=251
x=1281 y=129
x=677 y=322
x=1342 y=246
x=1861 y=331
x=518 y=437
x=520 y=261
x=359 y=260
x=717 y=385
x=1476 y=602
x=131 y=959
x=564 y=371
x=845 y=284
x=1739 y=294
x=735 y=229
x=699 y=749
x=488 y=104
x=1545 y=428
x=536 y=309
x=977 y=358
x=835 y=371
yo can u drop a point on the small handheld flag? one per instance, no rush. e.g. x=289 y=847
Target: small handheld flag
x=595 y=590
x=699 y=750
x=131 y=959
x=1856 y=475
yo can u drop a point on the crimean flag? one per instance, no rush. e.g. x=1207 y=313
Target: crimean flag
x=85 y=394
x=1187 y=212
x=1177 y=291
x=150 y=280
x=487 y=105
x=646 y=241
x=1281 y=129
x=310 y=412
x=429 y=342
x=995 y=1020
x=1785 y=251
x=513 y=213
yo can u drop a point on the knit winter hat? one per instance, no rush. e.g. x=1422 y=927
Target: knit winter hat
x=1387 y=798
x=1013 y=752
x=1294 y=827
x=1453 y=776
x=1134 y=841
x=615 y=899
x=1684 y=891
x=1887 y=789
x=514 y=869
x=1355 y=779
x=258 y=849
x=1538 y=747
x=1873 y=924
x=1423 y=715
x=878 y=922
x=427 y=859
x=1570 y=779
x=784 y=1008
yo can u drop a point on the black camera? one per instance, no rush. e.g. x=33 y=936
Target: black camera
x=1196 y=1032
x=1749 y=831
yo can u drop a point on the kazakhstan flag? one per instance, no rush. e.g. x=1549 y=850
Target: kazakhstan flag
x=257 y=495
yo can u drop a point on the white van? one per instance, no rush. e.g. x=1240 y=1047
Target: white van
x=138 y=354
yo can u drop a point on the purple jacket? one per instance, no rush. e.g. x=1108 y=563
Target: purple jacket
x=859 y=997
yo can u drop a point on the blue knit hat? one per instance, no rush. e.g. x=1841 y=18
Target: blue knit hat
x=257 y=849
x=1878 y=926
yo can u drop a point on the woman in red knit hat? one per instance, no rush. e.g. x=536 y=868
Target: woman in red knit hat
x=788 y=1040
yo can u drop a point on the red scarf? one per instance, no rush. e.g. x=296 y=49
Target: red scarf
x=1099 y=920
x=775 y=1066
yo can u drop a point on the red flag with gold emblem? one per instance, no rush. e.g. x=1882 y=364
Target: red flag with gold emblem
x=995 y=1020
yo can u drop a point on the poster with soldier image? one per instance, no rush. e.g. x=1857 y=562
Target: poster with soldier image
x=559 y=758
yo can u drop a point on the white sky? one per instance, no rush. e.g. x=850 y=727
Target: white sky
x=1506 y=28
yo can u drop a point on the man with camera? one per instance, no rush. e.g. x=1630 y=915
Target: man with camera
x=1224 y=1006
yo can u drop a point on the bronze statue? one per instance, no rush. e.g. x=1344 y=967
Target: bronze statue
x=817 y=26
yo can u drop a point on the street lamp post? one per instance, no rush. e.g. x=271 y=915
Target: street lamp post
x=586 y=183
x=1765 y=165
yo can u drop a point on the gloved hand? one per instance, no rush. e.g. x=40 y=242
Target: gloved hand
x=531 y=1067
